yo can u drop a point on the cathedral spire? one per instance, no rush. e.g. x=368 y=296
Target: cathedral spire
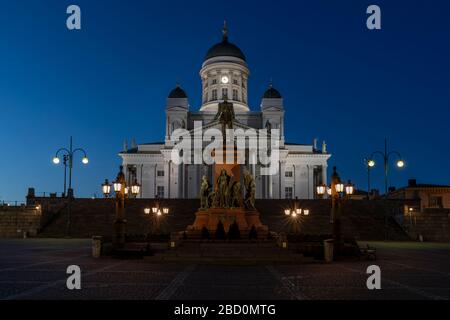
x=225 y=31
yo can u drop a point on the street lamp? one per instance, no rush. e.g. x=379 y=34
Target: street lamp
x=386 y=156
x=106 y=188
x=157 y=211
x=296 y=213
x=68 y=155
x=135 y=188
x=349 y=189
x=321 y=190
x=337 y=191
x=122 y=191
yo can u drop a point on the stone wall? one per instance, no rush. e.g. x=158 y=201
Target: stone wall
x=431 y=224
x=15 y=221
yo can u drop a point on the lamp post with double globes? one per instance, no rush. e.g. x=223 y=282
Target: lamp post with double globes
x=68 y=155
x=386 y=155
x=338 y=192
x=121 y=191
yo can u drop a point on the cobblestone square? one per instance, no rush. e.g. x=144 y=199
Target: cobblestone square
x=35 y=269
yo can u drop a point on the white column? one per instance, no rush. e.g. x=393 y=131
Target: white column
x=282 y=179
x=310 y=173
x=174 y=180
x=324 y=174
x=166 y=178
x=296 y=181
x=270 y=187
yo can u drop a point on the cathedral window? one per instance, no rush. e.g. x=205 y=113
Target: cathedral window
x=214 y=94
x=160 y=173
x=224 y=93
x=235 y=81
x=235 y=95
x=214 y=81
x=288 y=192
x=160 y=192
x=288 y=174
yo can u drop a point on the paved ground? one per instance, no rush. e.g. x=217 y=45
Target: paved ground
x=36 y=269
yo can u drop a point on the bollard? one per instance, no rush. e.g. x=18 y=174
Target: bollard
x=328 y=246
x=96 y=246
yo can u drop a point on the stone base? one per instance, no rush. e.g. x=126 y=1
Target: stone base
x=245 y=219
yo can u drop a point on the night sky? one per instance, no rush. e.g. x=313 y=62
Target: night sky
x=108 y=82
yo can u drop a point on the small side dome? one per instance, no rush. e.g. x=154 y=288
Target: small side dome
x=272 y=93
x=177 y=93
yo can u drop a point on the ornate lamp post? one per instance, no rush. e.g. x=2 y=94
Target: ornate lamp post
x=338 y=193
x=158 y=213
x=68 y=155
x=106 y=188
x=386 y=155
x=120 y=187
x=296 y=213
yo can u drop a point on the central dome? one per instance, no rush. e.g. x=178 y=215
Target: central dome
x=225 y=48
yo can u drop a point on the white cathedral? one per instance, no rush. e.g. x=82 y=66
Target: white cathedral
x=224 y=75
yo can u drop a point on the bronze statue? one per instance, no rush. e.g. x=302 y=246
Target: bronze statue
x=225 y=115
x=204 y=193
x=250 y=191
x=222 y=186
x=236 y=196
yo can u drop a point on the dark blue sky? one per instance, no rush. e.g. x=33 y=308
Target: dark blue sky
x=109 y=81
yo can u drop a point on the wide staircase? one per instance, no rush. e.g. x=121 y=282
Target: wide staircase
x=364 y=220
x=431 y=225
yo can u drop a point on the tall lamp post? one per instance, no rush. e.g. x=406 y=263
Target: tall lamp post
x=369 y=163
x=68 y=156
x=338 y=193
x=386 y=156
x=122 y=192
x=158 y=213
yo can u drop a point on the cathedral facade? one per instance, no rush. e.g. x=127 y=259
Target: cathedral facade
x=224 y=76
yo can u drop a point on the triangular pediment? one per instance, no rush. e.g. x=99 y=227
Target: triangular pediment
x=277 y=109
x=176 y=108
x=217 y=125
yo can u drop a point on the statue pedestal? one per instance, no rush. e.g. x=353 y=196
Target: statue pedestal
x=245 y=219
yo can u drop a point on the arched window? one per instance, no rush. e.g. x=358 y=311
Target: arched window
x=224 y=93
x=235 y=95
